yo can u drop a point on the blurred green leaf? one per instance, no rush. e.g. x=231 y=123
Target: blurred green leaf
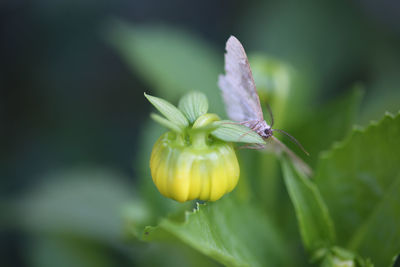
x=172 y=113
x=45 y=251
x=167 y=254
x=231 y=233
x=84 y=202
x=332 y=122
x=315 y=224
x=231 y=131
x=261 y=171
x=359 y=179
x=313 y=28
x=67 y=251
x=170 y=60
x=193 y=105
x=261 y=182
x=274 y=80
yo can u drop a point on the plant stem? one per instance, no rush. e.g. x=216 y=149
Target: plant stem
x=199 y=140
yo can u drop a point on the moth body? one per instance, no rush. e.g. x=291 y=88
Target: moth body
x=260 y=127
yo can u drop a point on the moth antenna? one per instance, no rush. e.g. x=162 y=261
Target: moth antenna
x=294 y=140
x=270 y=114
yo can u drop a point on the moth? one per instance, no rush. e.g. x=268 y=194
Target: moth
x=242 y=102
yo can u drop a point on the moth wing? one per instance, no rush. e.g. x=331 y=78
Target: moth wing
x=237 y=85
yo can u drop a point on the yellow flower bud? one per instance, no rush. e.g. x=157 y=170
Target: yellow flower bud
x=195 y=167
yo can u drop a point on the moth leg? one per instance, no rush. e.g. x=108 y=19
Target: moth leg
x=252 y=146
x=250 y=123
x=246 y=133
x=254 y=128
x=233 y=122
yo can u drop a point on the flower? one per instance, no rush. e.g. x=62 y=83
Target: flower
x=185 y=170
x=196 y=158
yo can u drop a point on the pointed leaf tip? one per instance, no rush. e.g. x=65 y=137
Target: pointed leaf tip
x=172 y=113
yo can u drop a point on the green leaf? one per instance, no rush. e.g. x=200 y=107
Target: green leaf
x=193 y=105
x=171 y=60
x=231 y=233
x=315 y=224
x=382 y=224
x=168 y=110
x=230 y=131
x=359 y=179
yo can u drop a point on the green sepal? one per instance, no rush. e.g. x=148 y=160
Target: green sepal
x=166 y=123
x=193 y=105
x=230 y=131
x=172 y=113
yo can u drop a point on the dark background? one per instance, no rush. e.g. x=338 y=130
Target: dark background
x=68 y=99
x=67 y=96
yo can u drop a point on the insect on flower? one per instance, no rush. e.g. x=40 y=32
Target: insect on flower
x=241 y=99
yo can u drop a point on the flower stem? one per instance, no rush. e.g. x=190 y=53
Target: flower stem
x=199 y=140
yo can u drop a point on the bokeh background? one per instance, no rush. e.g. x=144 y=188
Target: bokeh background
x=72 y=108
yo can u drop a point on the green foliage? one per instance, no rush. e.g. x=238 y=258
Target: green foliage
x=334 y=215
x=359 y=179
x=346 y=215
x=74 y=217
x=332 y=123
x=232 y=233
x=170 y=60
x=99 y=192
x=315 y=224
